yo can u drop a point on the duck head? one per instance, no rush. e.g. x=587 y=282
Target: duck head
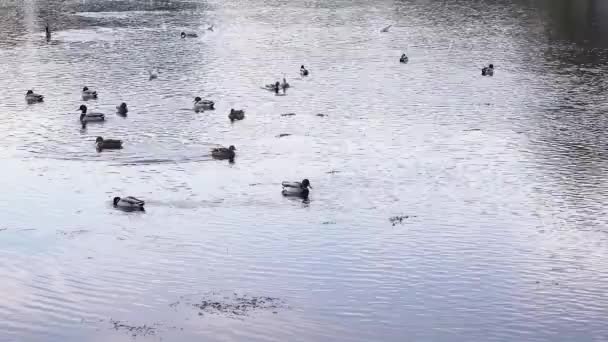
x=83 y=109
x=183 y=34
x=99 y=140
x=197 y=99
x=232 y=148
x=85 y=89
x=29 y=92
x=116 y=200
x=302 y=67
x=123 y=105
x=306 y=184
x=491 y=66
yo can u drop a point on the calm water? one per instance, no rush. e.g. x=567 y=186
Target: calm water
x=503 y=178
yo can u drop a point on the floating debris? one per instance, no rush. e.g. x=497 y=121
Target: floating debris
x=72 y=234
x=321 y=115
x=332 y=172
x=288 y=114
x=232 y=305
x=283 y=135
x=329 y=222
x=134 y=330
x=399 y=219
x=255 y=184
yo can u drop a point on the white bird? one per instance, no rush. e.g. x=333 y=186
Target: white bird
x=32 y=97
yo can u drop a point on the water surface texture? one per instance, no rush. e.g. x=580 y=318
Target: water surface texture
x=500 y=181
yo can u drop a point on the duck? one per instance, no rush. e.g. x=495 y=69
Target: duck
x=32 y=97
x=299 y=189
x=108 y=144
x=84 y=116
x=303 y=71
x=48 y=32
x=285 y=85
x=404 y=59
x=236 y=114
x=189 y=35
x=201 y=105
x=129 y=202
x=488 y=71
x=122 y=109
x=88 y=93
x=223 y=152
x=386 y=28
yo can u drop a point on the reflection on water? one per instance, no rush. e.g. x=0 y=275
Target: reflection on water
x=446 y=206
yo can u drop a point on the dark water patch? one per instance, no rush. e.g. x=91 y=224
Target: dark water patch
x=231 y=305
x=283 y=135
x=288 y=114
x=72 y=234
x=395 y=220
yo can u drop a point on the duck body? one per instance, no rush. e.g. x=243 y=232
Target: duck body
x=404 y=59
x=107 y=144
x=153 y=74
x=88 y=94
x=236 y=114
x=488 y=71
x=129 y=202
x=47 y=32
x=223 y=152
x=85 y=116
x=303 y=71
x=122 y=109
x=32 y=97
x=200 y=104
x=296 y=189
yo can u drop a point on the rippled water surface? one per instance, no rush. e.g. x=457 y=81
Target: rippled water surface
x=502 y=181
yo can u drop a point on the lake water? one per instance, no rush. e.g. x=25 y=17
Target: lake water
x=503 y=180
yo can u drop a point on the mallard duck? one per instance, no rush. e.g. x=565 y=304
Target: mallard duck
x=84 y=116
x=200 y=104
x=88 y=93
x=303 y=71
x=386 y=28
x=122 y=109
x=488 y=71
x=32 y=97
x=129 y=202
x=223 y=152
x=236 y=114
x=404 y=59
x=107 y=144
x=189 y=35
x=299 y=189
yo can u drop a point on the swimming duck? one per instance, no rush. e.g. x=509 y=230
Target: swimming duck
x=488 y=71
x=88 y=93
x=299 y=189
x=90 y=116
x=122 y=109
x=404 y=59
x=107 y=144
x=189 y=35
x=201 y=105
x=223 y=152
x=303 y=71
x=32 y=97
x=236 y=114
x=129 y=202
x=386 y=28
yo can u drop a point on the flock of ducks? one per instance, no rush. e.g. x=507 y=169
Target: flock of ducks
x=299 y=189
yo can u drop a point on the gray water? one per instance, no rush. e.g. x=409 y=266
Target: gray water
x=502 y=179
